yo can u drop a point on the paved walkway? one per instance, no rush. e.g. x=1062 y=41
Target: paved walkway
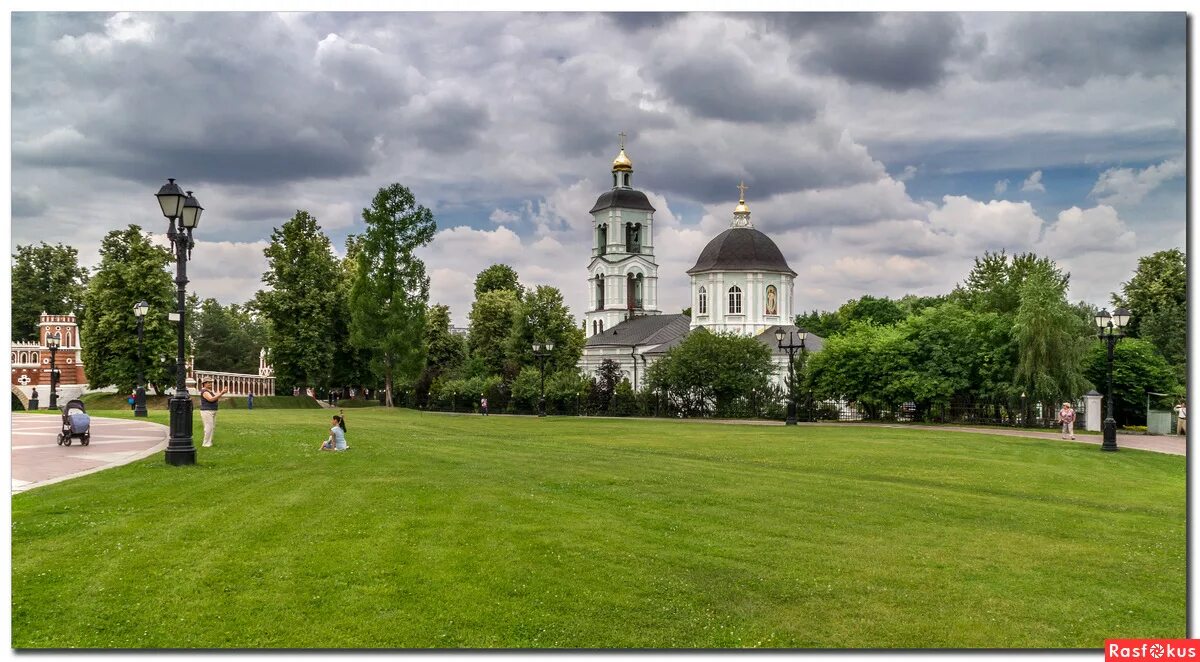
x=38 y=460
x=1168 y=444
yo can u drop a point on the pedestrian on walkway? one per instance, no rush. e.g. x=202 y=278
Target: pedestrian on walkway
x=208 y=409
x=1066 y=416
x=483 y=405
x=132 y=400
x=250 y=401
x=1181 y=411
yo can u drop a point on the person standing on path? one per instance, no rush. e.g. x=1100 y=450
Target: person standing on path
x=208 y=410
x=250 y=401
x=1066 y=416
x=483 y=405
x=1181 y=410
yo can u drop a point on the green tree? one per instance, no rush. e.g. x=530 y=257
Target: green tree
x=492 y=318
x=1138 y=367
x=994 y=284
x=301 y=304
x=48 y=279
x=823 y=323
x=541 y=317
x=498 y=277
x=1166 y=328
x=1156 y=297
x=876 y=310
x=132 y=269
x=604 y=385
x=1051 y=340
x=391 y=291
x=445 y=350
x=351 y=364
x=227 y=338
x=861 y=365
x=713 y=373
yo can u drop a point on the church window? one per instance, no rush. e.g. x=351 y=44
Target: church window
x=633 y=238
x=702 y=304
x=600 y=292
x=602 y=239
x=615 y=180
x=601 y=326
x=735 y=300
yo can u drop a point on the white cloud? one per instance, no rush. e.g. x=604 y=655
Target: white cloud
x=1033 y=182
x=1079 y=231
x=1125 y=186
x=909 y=172
x=503 y=217
x=977 y=226
x=1001 y=187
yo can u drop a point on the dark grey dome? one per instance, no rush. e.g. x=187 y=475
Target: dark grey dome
x=623 y=198
x=741 y=249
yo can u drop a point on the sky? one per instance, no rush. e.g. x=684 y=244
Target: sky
x=882 y=151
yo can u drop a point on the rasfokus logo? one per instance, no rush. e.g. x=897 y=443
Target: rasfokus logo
x=1151 y=649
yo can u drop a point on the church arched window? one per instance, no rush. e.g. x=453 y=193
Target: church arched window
x=702 y=303
x=735 y=300
x=599 y=291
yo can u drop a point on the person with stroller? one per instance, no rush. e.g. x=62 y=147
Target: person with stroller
x=337 y=435
x=1066 y=416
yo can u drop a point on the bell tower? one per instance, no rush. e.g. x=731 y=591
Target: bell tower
x=622 y=273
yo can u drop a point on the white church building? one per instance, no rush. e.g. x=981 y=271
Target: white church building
x=741 y=283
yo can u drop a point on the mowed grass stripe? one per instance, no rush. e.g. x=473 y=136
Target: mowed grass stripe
x=466 y=531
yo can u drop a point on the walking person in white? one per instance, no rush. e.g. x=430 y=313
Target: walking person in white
x=1066 y=416
x=1181 y=410
x=208 y=410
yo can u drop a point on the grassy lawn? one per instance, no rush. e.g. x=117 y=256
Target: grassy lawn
x=464 y=531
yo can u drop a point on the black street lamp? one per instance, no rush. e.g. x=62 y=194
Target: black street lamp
x=1109 y=329
x=791 y=348
x=542 y=352
x=182 y=211
x=53 y=340
x=139 y=398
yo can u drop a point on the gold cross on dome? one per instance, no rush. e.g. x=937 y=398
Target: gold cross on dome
x=621 y=135
x=742 y=190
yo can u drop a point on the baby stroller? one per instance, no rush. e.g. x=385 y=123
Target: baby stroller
x=75 y=424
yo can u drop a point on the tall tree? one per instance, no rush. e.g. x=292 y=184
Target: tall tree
x=492 y=318
x=132 y=269
x=994 y=284
x=709 y=373
x=498 y=277
x=390 y=290
x=445 y=350
x=1158 y=291
x=300 y=306
x=351 y=364
x=48 y=279
x=543 y=317
x=1051 y=341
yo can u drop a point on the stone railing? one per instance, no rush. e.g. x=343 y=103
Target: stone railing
x=236 y=383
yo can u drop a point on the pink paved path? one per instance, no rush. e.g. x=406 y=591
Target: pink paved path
x=38 y=460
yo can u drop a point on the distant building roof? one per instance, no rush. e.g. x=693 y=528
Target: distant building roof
x=643 y=330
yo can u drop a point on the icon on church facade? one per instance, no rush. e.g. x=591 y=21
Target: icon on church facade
x=772 y=300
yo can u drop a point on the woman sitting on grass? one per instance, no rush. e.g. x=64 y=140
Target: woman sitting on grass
x=337 y=436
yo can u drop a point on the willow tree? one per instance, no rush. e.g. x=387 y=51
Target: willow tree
x=390 y=293
x=1051 y=341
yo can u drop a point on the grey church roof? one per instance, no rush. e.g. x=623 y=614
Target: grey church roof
x=741 y=249
x=624 y=198
x=643 y=330
x=812 y=342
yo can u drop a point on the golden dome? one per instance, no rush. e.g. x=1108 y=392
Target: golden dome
x=622 y=162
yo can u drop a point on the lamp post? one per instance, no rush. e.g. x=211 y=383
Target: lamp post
x=52 y=342
x=542 y=352
x=139 y=398
x=791 y=348
x=182 y=211
x=1109 y=329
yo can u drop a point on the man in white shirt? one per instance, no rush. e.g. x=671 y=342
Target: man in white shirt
x=1181 y=410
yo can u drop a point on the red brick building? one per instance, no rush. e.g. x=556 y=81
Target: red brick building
x=31 y=360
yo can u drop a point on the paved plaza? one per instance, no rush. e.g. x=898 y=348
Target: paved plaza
x=38 y=460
